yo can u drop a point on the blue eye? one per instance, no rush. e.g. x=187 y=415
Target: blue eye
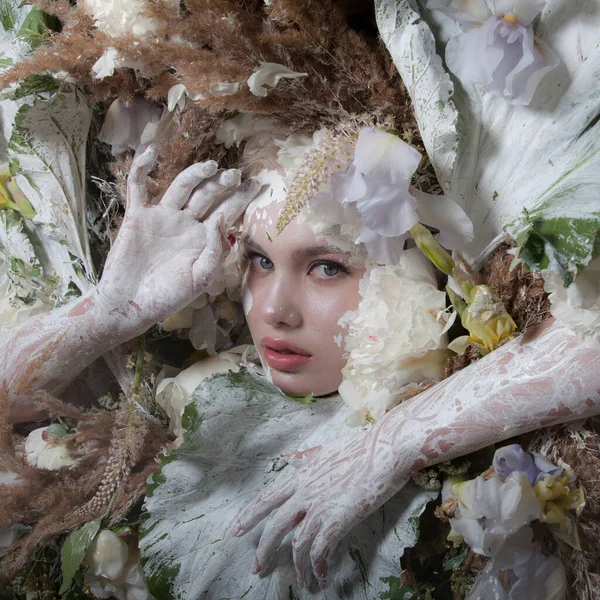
x=261 y=263
x=327 y=270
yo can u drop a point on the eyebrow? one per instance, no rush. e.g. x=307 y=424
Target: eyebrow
x=298 y=253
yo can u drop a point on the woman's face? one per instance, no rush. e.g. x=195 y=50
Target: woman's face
x=296 y=288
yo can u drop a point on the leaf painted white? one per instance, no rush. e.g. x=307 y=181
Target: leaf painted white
x=413 y=50
x=238 y=425
x=46 y=153
x=534 y=171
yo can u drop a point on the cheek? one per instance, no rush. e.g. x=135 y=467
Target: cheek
x=325 y=308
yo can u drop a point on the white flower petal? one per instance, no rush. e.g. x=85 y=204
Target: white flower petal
x=466 y=12
x=105 y=66
x=223 y=88
x=44 y=454
x=292 y=150
x=269 y=74
x=461 y=50
x=383 y=250
x=173 y=393
x=349 y=186
x=456 y=229
x=527 y=10
x=240 y=128
x=107 y=555
x=388 y=210
x=578 y=306
x=124 y=125
x=385 y=158
x=459 y=345
x=176 y=96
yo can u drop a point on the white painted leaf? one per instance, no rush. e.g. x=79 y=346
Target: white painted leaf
x=238 y=426
x=46 y=152
x=412 y=47
x=534 y=171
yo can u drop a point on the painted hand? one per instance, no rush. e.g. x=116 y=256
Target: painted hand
x=332 y=489
x=164 y=255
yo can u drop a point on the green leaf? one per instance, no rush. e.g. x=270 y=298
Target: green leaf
x=560 y=243
x=302 y=399
x=7 y=15
x=455 y=561
x=74 y=550
x=397 y=591
x=36 y=26
x=36 y=84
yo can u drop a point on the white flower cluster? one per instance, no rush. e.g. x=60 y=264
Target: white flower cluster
x=45 y=449
x=120 y=17
x=114 y=569
x=394 y=339
x=498 y=51
x=492 y=515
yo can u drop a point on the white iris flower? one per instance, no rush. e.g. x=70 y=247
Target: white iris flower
x=498 y=51
x=374 y=197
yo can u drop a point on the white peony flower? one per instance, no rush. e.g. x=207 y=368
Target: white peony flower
x=374 y=200
x=173 y=393
x=133 y=126
x=177 y=94
x=394 y=338
x=269 y=74
x=44 y=448
x=120 y=17
x=578 y=306
x=498 y=51
x=114 y=569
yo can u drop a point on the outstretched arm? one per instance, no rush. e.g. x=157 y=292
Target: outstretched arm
x=546 y=377
x=163 y=258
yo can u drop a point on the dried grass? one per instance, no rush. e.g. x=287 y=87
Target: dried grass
x=55 y=502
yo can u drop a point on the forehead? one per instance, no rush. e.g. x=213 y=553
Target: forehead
x=261 y=225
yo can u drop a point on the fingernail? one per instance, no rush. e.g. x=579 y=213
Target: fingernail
x=256 y=567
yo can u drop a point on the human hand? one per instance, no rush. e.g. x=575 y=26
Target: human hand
x=332 y=489
x=164 y=256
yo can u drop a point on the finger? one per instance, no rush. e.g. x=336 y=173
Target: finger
x=272 y=498
x=321 y=549
x=210 y=258
x=207 y=192
x=301 y=546
x=234 y=206
x=278 y=526
x=183 y=185
x=141 y=167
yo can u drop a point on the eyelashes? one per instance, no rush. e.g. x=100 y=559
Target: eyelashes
x=320 y=269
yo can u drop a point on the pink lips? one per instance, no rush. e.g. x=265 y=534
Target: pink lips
x=284 y=356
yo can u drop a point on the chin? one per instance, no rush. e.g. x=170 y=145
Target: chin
x=298 y=384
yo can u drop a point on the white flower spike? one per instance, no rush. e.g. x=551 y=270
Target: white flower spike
x=498 y=51
x=269 y=74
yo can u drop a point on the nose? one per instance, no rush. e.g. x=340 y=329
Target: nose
x=282 y=306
